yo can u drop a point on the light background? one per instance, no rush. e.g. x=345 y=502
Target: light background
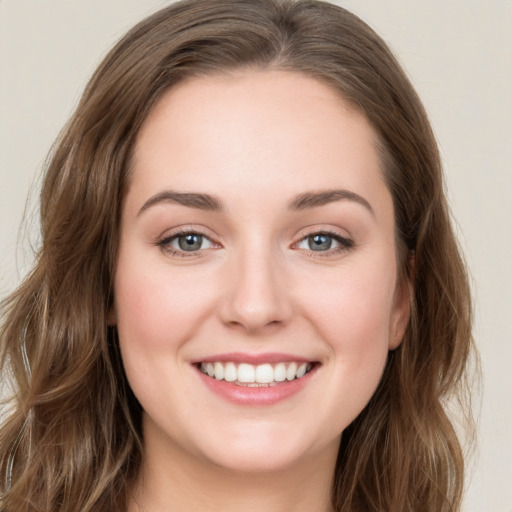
x=458 y=54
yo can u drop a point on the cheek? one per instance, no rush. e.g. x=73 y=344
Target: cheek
x=156 y=314
x=154 y=308
x=351 y=305
x=352 y=314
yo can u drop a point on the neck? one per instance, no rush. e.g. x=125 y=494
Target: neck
x=191 y=483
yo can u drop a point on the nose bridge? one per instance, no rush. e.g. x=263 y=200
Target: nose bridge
x=257 y=296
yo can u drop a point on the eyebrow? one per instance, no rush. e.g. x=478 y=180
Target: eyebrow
x=320 y=198
x=301 y=202
x=189 y=199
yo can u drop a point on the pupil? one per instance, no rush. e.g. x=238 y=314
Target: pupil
x=320 y=242
x=190 y=242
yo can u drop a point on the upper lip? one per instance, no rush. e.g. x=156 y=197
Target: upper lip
x=255 y=359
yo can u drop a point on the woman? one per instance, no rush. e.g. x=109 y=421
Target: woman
x=248 y=293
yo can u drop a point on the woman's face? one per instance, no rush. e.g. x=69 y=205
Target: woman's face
x=257 y=242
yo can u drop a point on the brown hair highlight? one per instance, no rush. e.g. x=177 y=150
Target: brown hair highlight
x=82 y=446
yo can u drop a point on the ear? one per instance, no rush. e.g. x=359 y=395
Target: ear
x=401 y=312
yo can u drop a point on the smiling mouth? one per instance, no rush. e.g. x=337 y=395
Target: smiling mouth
x=262 y=375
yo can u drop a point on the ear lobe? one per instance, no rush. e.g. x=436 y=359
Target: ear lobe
x=401 y=313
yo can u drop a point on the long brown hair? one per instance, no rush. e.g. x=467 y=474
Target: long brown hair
x=72 y=437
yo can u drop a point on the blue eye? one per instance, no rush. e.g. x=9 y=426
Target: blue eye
x=325 y=242
x=186 y=242
x=320 y=242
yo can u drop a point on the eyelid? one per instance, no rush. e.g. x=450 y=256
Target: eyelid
x=165 y=240
x=330 y=230
x=345 y=241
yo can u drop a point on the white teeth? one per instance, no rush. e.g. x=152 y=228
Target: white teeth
x=291 y=372
x=252 y=375
x=219 y=371
x=264 y=373
x=210 y=370
x=301 y=371
x=230 y=372
x=246 y=373
x=280 y=372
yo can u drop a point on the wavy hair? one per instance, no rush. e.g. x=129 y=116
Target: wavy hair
x=72 y=437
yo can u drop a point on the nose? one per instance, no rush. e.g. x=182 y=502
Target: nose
x=256 y=297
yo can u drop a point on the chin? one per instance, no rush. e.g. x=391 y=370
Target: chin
x=261 y=451
x=250 y=461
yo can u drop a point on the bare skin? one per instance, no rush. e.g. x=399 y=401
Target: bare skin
x=203 y=487
x=257 y=226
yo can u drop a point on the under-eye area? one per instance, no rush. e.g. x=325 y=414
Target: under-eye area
x=262 y=375
x=243 y=192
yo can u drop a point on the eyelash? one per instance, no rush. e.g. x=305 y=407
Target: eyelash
x=164 y=244
x=345 y=244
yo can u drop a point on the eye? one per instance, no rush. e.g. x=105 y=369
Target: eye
x=325 y=242
x=186 y=242
x=190 y=242
x=318 y=242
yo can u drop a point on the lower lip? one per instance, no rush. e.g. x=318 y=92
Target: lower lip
x=254 y=396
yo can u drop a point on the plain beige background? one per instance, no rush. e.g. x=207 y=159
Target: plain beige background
x=458 y=54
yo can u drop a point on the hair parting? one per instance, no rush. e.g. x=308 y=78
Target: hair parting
x=71 y=439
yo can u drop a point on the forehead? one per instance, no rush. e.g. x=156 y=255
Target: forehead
x=252 y=99
x=254 y=129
